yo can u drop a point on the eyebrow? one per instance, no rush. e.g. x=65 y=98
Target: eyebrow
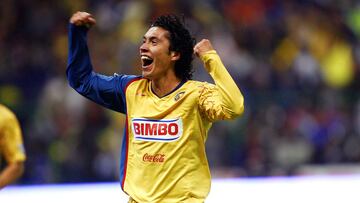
x=150 y=38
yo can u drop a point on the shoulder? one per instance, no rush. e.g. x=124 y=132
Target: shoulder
x=6 y=113
x=199 y=85
x=139 y=80
x=198 y=88
x=7 y=118
x=196 y=83
x=124 y=80
x=136 y=83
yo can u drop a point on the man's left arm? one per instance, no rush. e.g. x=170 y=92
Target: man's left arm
x=224 y=100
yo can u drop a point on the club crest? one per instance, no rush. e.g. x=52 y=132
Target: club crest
x=179 y=95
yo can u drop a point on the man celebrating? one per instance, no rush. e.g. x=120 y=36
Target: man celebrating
x=168 y=115
x=11 y=147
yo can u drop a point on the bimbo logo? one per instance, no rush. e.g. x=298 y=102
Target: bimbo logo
x=164 y=130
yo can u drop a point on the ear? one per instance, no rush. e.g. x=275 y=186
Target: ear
x=175 y=55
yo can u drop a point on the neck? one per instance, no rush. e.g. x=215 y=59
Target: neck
x=163 y=86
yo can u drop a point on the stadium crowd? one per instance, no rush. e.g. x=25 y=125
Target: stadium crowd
x=297 y=63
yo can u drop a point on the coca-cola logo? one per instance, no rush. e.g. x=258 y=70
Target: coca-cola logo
x=156 y=158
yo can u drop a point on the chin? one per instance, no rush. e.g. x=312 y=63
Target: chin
x=147 y=72
x=146 y=75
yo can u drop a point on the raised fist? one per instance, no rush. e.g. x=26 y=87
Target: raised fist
x=202 y=47
x=82 y=19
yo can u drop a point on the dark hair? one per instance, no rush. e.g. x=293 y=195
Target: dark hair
x=180 y=41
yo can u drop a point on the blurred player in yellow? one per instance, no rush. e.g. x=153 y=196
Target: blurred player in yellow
x=168 y=115
x=11 y=147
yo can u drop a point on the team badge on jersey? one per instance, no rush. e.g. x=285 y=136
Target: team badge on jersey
x=178 y=95
x=164 y=130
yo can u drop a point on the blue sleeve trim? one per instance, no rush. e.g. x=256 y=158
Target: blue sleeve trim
x=107 y=91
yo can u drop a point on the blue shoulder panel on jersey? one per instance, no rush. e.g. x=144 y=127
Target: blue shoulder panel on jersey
x=107 y=91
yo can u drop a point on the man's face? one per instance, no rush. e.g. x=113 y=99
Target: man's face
x=157 y=61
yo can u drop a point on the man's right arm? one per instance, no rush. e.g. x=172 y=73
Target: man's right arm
x=107 y=91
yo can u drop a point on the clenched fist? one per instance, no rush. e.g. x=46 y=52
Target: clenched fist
x=82 y=19
x=202 y=47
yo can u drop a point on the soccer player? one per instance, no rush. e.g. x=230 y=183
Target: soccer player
x=11 y=147
x=168 y=115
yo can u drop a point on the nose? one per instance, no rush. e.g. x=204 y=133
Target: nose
x=143 y=48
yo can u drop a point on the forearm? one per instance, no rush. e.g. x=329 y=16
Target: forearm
x=232 y=101
x=79 y=67
x=11 y=173
x=104 y=90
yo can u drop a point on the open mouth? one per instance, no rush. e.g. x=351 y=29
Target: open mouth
x=146 y=61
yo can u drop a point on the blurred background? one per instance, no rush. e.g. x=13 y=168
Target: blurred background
x=296 y=62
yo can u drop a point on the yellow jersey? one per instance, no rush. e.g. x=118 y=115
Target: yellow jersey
x=163 y=156
x=11 y=143
x=166 y=158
